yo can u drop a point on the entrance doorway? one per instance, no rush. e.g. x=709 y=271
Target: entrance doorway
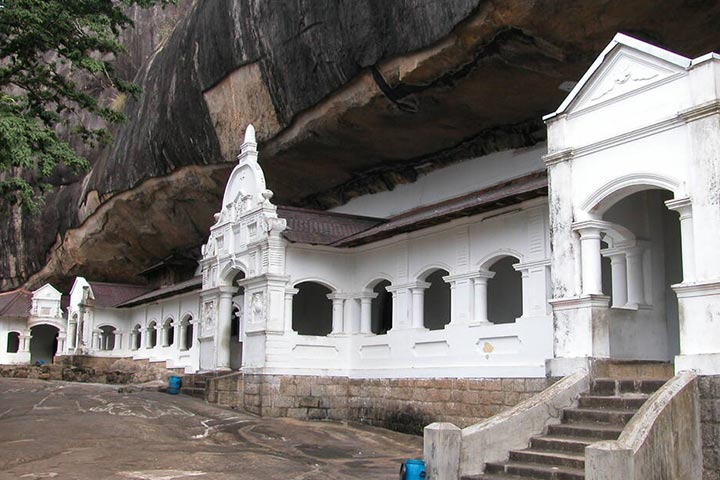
x=43 y=344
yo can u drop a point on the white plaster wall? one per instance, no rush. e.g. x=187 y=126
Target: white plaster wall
x=449 y=182
x=461 y=247
x=11 y=324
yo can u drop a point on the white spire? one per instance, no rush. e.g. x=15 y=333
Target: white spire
x=250 y=134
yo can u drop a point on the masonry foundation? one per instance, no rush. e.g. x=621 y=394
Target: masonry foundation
x=405 y=405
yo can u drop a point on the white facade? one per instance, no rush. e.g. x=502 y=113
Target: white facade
x=618 y=261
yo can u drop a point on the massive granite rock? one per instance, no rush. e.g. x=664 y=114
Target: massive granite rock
x=348 y=97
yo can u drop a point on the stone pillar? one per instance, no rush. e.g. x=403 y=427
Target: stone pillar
x=480 y=310
x=366 y=312
x=182 y=337
x=525 y=278
x=338 y=309
x=61 y=342
x=417 y=292
x=222 y=334
x=72 y=334
x=618 y=266
x=96 y=339
x=289 y=294
x=684 y=207
x=635 y=281
x=25 y=338
x=591 y=261
x=118 y=340
x=147 y=333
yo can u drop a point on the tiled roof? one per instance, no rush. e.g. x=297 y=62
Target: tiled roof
x=16 y=303
x=503 y=194
x=194 y=283
x=320 y=227
x=113 y=294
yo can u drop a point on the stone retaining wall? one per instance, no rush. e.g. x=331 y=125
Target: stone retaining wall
x=710 y=426
x=405 y=405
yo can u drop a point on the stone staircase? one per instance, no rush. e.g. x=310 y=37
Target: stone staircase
x=195 y=384
x=600 y=414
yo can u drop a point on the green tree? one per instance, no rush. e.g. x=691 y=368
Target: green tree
x=49 y=49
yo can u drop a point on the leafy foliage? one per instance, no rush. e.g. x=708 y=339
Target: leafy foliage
x=48 y=50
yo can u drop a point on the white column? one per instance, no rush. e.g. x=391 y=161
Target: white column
x=635 y=283
x=182 y=341
x=96 y=340
x=25 y=338
x=684 y=207
x=338 y=309
x=525 y=277
x=289 y=294
x=133 y=339
x=366 y=312
x=147 y=333
x=418 y=305
x=480 y=311
x=118 y=340
x=72 y=333
x=618 y=266
x=222 y=332
x=591 y=261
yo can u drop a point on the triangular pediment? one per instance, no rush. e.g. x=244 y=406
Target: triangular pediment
x=47 y=291
x=626 y=66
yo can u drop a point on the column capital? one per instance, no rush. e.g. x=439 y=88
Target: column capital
x=291 y=291
x=590 y=229
x=408 y=286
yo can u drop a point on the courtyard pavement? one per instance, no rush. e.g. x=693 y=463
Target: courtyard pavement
x=76 y=431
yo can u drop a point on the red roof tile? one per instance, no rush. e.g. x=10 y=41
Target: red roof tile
x=113 y=294
x=16 y=303
x=319 y=227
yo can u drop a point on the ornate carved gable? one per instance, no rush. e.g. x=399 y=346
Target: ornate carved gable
x=626 y=66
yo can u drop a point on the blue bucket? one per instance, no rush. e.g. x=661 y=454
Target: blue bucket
x=174 y=384
x=413 y=469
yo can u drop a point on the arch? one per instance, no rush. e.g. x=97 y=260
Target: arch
x=489 y=260
x=429 y=269
x=597 y=203
x=230 y=271
x=377 y=278
x=436 y=300
x=381 y=308
x=13 y=342
x=504 y=290
x=107 y=337
x=312 y=310
x=168 y=330
x=320 y=281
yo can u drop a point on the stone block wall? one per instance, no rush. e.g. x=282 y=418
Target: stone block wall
x=405 y=405
x=710 y=425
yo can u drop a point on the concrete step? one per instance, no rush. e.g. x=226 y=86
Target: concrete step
x=620 y=386
x=591 y=431
x=638 y=369
x=193 y=392
x=597 y=415
x=549 y=457
x=535 y=470
x=615 y=402
x=561 y=443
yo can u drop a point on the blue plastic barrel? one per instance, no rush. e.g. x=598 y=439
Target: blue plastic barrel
x=174 y=385
x=412 y=469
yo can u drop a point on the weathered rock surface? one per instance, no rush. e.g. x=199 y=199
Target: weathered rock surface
x=348 y=98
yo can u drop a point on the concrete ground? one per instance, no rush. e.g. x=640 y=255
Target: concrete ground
x=75 y=431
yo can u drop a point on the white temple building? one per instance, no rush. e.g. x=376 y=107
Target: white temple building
x=601 y=243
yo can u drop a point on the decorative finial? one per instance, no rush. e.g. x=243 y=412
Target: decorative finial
x=250 y=134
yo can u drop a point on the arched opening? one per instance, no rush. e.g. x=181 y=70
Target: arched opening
x=312 y=309
x=168 y=332
x=43 y=343
x=236 y=337
x=136 y=337
x=186 y=333
x=436 y=301
x=13 y=342
x=381 y=309
x=236 y=323
x=504 y=292
x=152 y=334
x=645 y=319
x=107 y=337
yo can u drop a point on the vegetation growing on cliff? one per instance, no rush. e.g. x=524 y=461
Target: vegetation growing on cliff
x=50 y=52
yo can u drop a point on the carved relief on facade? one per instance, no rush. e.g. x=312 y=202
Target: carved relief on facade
x=258 y=307
x=208 y=316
